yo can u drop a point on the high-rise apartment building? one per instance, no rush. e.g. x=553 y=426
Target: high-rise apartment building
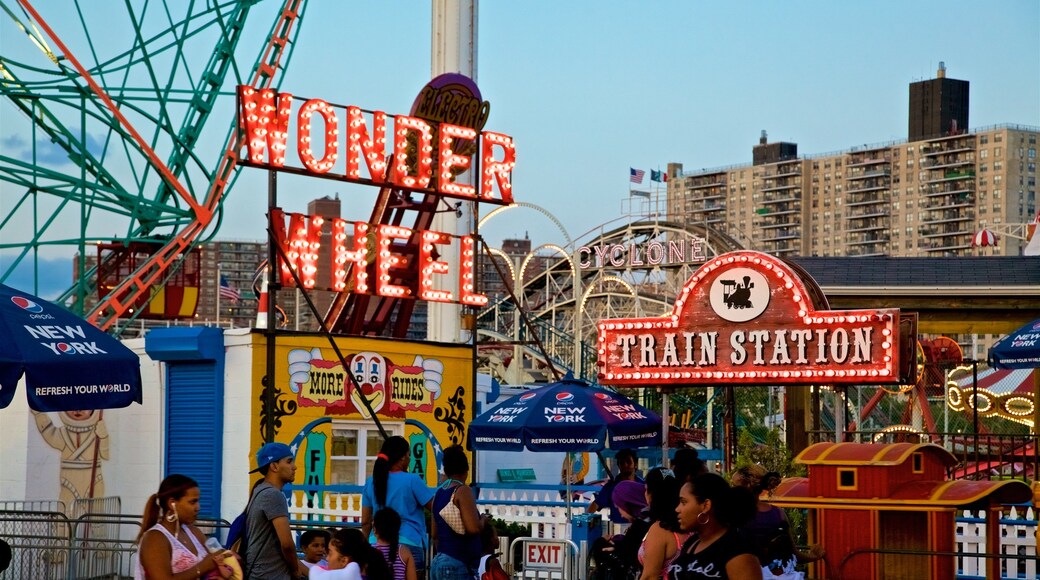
x=515 y=250
x=922 y=197
x=237 y=262
x=913 y=198
x=938 y=106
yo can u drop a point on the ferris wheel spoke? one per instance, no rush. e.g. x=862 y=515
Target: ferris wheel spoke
x=101 y=94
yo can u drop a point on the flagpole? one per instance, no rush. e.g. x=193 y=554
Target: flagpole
x=218 y=294
x=657 y=196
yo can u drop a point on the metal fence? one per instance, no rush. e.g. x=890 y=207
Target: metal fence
x=49 y=545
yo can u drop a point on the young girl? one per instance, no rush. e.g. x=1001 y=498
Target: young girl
x=387 y=526
x=351 y=558
x=490 y=568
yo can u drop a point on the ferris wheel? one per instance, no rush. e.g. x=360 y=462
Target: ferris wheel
x=111 y=139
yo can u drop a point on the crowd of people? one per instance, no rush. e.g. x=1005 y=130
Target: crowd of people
x=687 y=523
x=683 y=522
x=391 y=543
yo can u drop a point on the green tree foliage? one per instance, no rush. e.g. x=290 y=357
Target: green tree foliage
x=774 y=455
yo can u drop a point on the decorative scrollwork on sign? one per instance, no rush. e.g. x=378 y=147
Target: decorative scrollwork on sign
x=453 y=415
x=283 y=407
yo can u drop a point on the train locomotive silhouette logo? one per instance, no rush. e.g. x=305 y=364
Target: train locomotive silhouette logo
x=741 y=294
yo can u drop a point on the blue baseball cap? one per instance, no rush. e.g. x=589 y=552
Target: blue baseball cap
x=270 y=453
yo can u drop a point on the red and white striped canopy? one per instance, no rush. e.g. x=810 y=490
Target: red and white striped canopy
x=1001 y=382
x=984 y=238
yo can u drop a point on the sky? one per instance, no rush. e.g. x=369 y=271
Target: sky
x=589 y=89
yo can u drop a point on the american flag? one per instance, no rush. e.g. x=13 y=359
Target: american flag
x=228 y=291
x=636 y=175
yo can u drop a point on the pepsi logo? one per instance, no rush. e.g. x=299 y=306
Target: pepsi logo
x=527 y=396
x=26 y=304
x=564 y=397
x=1036 y=326
x=65 y=348
x=604 y=397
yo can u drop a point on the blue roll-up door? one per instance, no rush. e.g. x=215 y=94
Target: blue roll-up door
x=194 y=429
x=194 y=360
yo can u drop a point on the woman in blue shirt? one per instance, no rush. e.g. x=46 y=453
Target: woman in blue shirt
x=392 y=486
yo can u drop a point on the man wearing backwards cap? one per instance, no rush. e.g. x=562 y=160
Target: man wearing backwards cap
x=270 y=549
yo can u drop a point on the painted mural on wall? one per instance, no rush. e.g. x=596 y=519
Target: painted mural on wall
x=81 y=439
x=419 y=390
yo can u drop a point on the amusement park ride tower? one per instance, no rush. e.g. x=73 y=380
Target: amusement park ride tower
x=453 y=50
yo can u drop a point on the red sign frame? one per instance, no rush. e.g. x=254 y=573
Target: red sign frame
x=746 y=318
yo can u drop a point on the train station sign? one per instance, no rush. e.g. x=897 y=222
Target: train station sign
x=747 y=318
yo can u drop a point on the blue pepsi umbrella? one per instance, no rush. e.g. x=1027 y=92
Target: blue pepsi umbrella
x=569 y=415
x=1018 y=350
x=69 y=364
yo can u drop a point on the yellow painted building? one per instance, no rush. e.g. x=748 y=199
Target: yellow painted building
x=419 y=390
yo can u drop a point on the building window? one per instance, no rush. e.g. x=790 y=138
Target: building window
x=354 y=449
x=984 y=153
x=983 y=139
x=1032 y=152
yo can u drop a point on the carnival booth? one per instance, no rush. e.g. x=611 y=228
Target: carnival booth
x=888 y=511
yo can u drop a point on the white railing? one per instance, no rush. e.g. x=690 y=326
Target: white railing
x=1017 y=543
x=334 y=508
x=533 y=509
x=545 y=518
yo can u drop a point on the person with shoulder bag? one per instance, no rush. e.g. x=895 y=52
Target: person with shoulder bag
x=456 y=522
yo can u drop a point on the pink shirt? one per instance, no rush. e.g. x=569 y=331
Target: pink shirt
x=181 y=558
